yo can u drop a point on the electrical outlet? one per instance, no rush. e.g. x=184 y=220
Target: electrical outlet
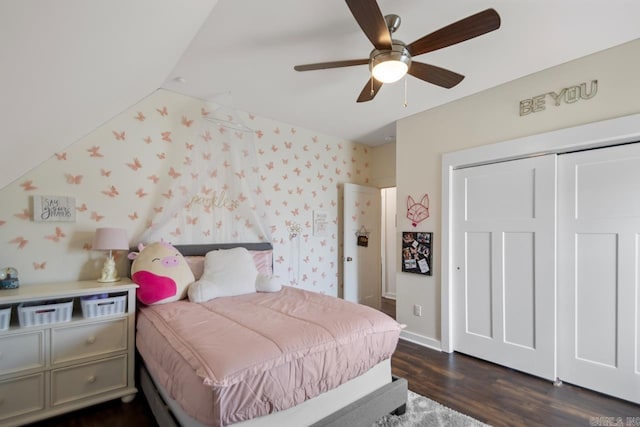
x=417 y=310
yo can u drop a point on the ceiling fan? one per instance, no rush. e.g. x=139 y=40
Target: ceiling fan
x=391 y=59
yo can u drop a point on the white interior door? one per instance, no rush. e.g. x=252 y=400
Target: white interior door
x=599 y=269
x=504 y=263
x=361 y=266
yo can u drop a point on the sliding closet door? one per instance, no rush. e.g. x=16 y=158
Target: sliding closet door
x=599 y=269
x=504 y=263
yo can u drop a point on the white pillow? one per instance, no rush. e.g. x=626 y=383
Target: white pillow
x=268 y=283
x=227 y=272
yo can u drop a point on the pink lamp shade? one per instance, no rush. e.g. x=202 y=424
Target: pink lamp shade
x=110 y=239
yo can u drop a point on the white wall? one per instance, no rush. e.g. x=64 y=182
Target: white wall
x=299 y=172
x=488 y=117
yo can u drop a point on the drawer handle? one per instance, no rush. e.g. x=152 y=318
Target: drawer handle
x=91 y=379
x=91 y=340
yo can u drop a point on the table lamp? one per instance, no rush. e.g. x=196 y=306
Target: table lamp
x=110 y=239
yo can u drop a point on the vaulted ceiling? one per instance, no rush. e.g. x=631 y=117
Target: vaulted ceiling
x=68 y=66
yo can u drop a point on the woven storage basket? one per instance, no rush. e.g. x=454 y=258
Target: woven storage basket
x=103 y=306
x=5 y=317
x=45 y=312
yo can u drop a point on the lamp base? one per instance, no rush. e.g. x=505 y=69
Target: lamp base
x=109 y=272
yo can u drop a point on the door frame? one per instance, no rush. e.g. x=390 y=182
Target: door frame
x=591 y=135
x=385 y=256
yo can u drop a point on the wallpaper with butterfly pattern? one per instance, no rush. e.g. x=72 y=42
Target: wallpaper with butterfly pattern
x=121 y=173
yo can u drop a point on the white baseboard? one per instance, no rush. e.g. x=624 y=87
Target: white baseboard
x=421 y=340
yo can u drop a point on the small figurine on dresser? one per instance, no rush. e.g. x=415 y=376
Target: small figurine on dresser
x=9 y=278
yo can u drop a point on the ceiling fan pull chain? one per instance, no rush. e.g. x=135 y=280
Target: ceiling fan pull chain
x=405 y=92
x=372 y=91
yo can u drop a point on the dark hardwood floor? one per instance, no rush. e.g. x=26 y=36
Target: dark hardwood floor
x=388 y=305
x=490 y=393
x=501 y=396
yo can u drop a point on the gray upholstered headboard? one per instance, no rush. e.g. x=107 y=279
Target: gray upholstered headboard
x=202 y=249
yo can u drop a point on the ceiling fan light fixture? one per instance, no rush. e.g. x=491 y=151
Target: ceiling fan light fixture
x=391 y=59
x=388 y=66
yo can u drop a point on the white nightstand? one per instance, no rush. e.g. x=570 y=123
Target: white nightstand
x=49 y=369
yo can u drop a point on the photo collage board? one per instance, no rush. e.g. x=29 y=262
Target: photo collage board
x=416 y=252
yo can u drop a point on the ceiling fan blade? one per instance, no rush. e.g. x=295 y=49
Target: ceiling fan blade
x=371 y=20
x=332 y=64
x=435 y=75
x=465 y=29
x=370 y=90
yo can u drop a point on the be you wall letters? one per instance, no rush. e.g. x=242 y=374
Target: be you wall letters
x=567 y=95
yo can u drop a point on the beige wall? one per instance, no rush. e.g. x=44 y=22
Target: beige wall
x=488 y=117
x=383 y=158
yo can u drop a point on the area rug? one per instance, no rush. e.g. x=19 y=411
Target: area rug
x=422 y=411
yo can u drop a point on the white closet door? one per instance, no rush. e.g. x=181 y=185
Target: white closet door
x=599 y=269
x=504 y=263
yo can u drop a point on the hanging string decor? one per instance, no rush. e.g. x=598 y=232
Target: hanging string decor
x=294 y=252
x=417 y=212
x=212 y=196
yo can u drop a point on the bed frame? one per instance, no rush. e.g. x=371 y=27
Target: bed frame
x=389 y=398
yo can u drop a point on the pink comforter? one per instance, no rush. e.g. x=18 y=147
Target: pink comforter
x=259 y=353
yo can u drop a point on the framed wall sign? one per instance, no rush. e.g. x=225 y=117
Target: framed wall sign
x=54 y=209
x=363 y=237
x=416 y=252
x=320 y=223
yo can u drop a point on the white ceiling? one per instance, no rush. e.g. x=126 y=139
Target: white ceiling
x=249 y=48
x=68 y=66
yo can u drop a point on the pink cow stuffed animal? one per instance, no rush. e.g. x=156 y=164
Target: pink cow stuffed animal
x=161 y=272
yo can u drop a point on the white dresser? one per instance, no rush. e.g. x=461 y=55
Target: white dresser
x=52 y=368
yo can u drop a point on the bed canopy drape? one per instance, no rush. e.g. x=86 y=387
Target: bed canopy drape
x=214 y=196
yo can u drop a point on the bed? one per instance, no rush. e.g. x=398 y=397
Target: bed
x=199 y=363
